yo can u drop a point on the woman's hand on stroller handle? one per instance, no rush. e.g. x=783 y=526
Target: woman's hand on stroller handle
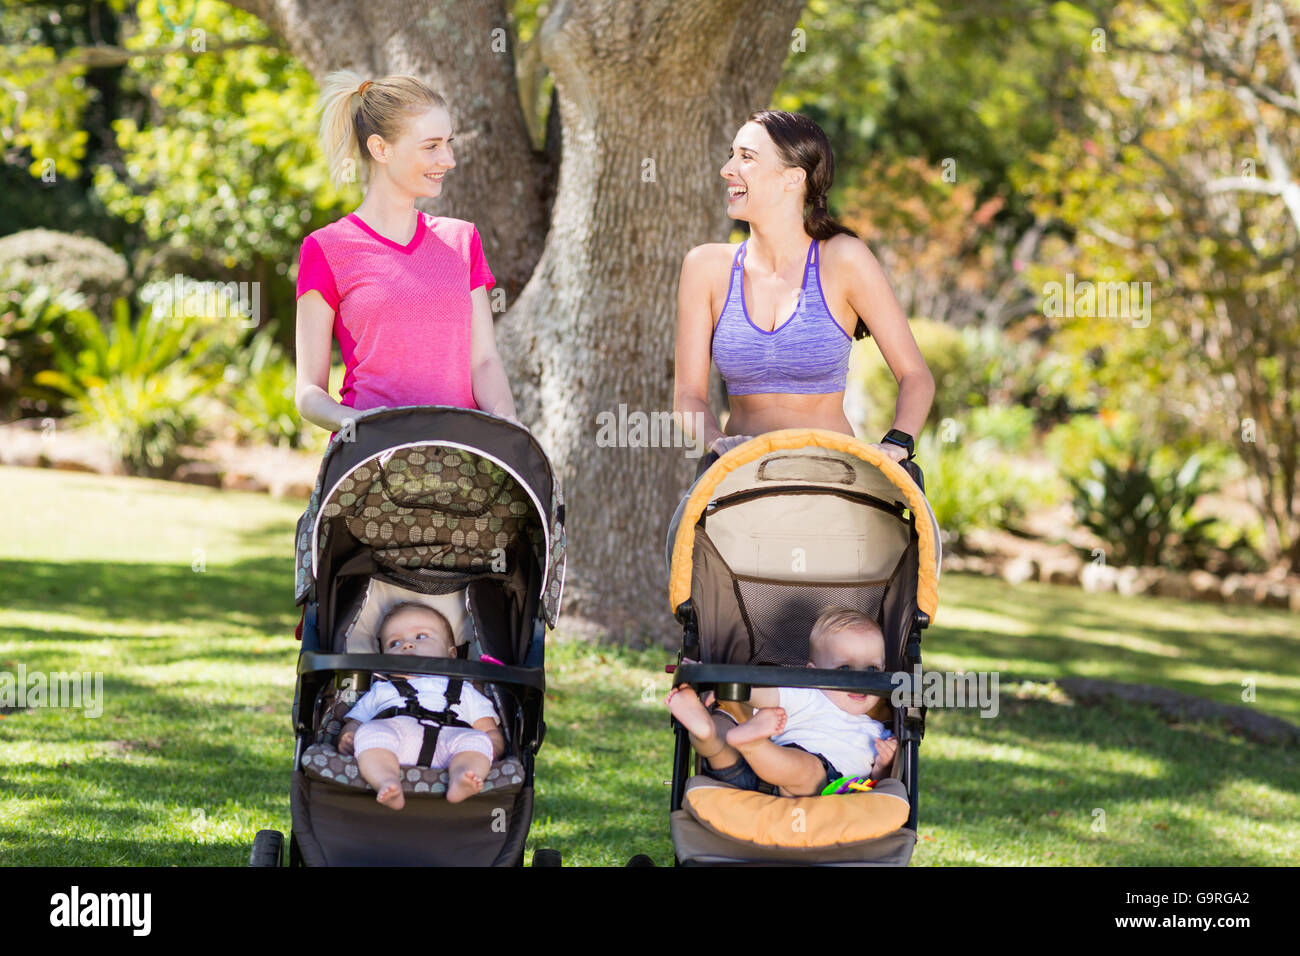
x=724 y=443
x=896 y=452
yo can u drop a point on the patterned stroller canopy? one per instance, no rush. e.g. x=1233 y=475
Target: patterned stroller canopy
x=435 y=489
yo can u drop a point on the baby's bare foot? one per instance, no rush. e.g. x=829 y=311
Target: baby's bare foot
x=463 y=786
x=687 y=708
x=766 y=723
x=391 y=796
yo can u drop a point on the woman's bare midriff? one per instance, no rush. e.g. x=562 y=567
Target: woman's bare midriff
x=756 y=414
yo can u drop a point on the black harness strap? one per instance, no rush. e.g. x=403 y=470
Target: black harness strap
x=432 y=720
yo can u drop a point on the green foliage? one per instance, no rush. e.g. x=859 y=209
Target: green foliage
x=260 y=391
x=1130 y=184
x=65 y=263
x=223 y=176
x=1143 y=510
x=44 y=112
x=1075 y=444
x=202 y=149
x=139 y=387
x=32 y=317
x=970 y=485
x=1009 y=426
x=974 y=367
x=930 y=79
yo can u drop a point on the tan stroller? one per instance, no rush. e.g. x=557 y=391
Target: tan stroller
x=777 y=530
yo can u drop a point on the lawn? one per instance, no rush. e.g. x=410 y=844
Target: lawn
x=183 y=598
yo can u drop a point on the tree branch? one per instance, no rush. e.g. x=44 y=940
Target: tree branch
x=100 y=57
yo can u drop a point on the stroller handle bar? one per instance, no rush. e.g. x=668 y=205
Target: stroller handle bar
x=881 y=683
x=311 y=662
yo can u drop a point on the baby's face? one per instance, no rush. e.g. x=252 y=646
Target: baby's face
x=418 y=632
x=856 y=649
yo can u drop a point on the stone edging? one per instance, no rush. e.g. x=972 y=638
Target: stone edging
x=1199 y=585
x=1175 y=703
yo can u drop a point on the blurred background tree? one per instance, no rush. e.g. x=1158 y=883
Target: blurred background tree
x=1182 y=174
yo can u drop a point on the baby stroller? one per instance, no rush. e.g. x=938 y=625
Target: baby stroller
x=459 y=510
x=778 y=529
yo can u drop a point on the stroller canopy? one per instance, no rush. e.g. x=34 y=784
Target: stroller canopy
x=799 y=511
x=436 y=489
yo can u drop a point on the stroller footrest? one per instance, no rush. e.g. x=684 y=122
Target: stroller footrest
x=759 y=820
x=323 y=762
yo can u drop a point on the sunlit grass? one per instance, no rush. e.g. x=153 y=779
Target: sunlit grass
x=191 y=755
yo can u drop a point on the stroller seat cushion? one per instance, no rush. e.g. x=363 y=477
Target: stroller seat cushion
x=765 y=820
x=323 y=762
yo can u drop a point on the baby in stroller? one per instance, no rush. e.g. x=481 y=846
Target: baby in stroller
x=421 y=721
x=799 y=738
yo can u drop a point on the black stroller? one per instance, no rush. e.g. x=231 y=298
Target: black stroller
x=459 y=510
x=777 y=530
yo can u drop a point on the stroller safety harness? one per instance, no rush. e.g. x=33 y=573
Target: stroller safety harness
x=431 y=720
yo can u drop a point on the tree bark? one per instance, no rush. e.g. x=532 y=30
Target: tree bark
x=650 y=95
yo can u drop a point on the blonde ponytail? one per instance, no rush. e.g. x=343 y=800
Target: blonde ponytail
x=350 y=116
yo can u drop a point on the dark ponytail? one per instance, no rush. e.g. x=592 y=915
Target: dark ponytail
x=801 y=142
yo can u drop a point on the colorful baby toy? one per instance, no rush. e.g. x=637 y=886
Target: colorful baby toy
x=849 y=785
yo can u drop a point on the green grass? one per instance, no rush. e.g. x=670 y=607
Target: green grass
x=191 y=754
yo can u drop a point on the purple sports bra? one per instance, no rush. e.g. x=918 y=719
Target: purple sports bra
x=806 y=355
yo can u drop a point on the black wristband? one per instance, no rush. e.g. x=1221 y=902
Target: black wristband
x=902 y=439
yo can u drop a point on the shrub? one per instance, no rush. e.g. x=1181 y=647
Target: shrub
x=973 y=367
x=65 y=263
x=137 y=386
x=1009 y=426
x=1076 y=443
x=32 y=317
x=262 y=394
x=969 y=486
x=1143 y=509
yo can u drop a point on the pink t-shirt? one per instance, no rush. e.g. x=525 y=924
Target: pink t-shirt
x=402 y=314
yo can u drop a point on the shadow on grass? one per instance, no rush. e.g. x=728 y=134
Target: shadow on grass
x=1128 y=647
x=258 y=591
x=1165 y=787
x=60 y=850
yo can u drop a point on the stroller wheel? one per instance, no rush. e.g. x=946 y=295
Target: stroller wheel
x=267 y=847
x=640 y=860
x=546 y=858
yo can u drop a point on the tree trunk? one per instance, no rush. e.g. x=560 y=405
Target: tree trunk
x=650 y=95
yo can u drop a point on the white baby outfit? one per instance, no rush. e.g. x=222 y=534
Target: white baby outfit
x=847 y=740
x=404 y=735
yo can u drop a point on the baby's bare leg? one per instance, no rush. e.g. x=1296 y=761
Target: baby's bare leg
x=380 y=769
x=797 y=772
x=465 y=775
x=706 y=739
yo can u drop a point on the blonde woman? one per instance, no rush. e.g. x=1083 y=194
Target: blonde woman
x=405 y=293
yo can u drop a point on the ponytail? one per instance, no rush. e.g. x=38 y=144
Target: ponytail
x=353 y=109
